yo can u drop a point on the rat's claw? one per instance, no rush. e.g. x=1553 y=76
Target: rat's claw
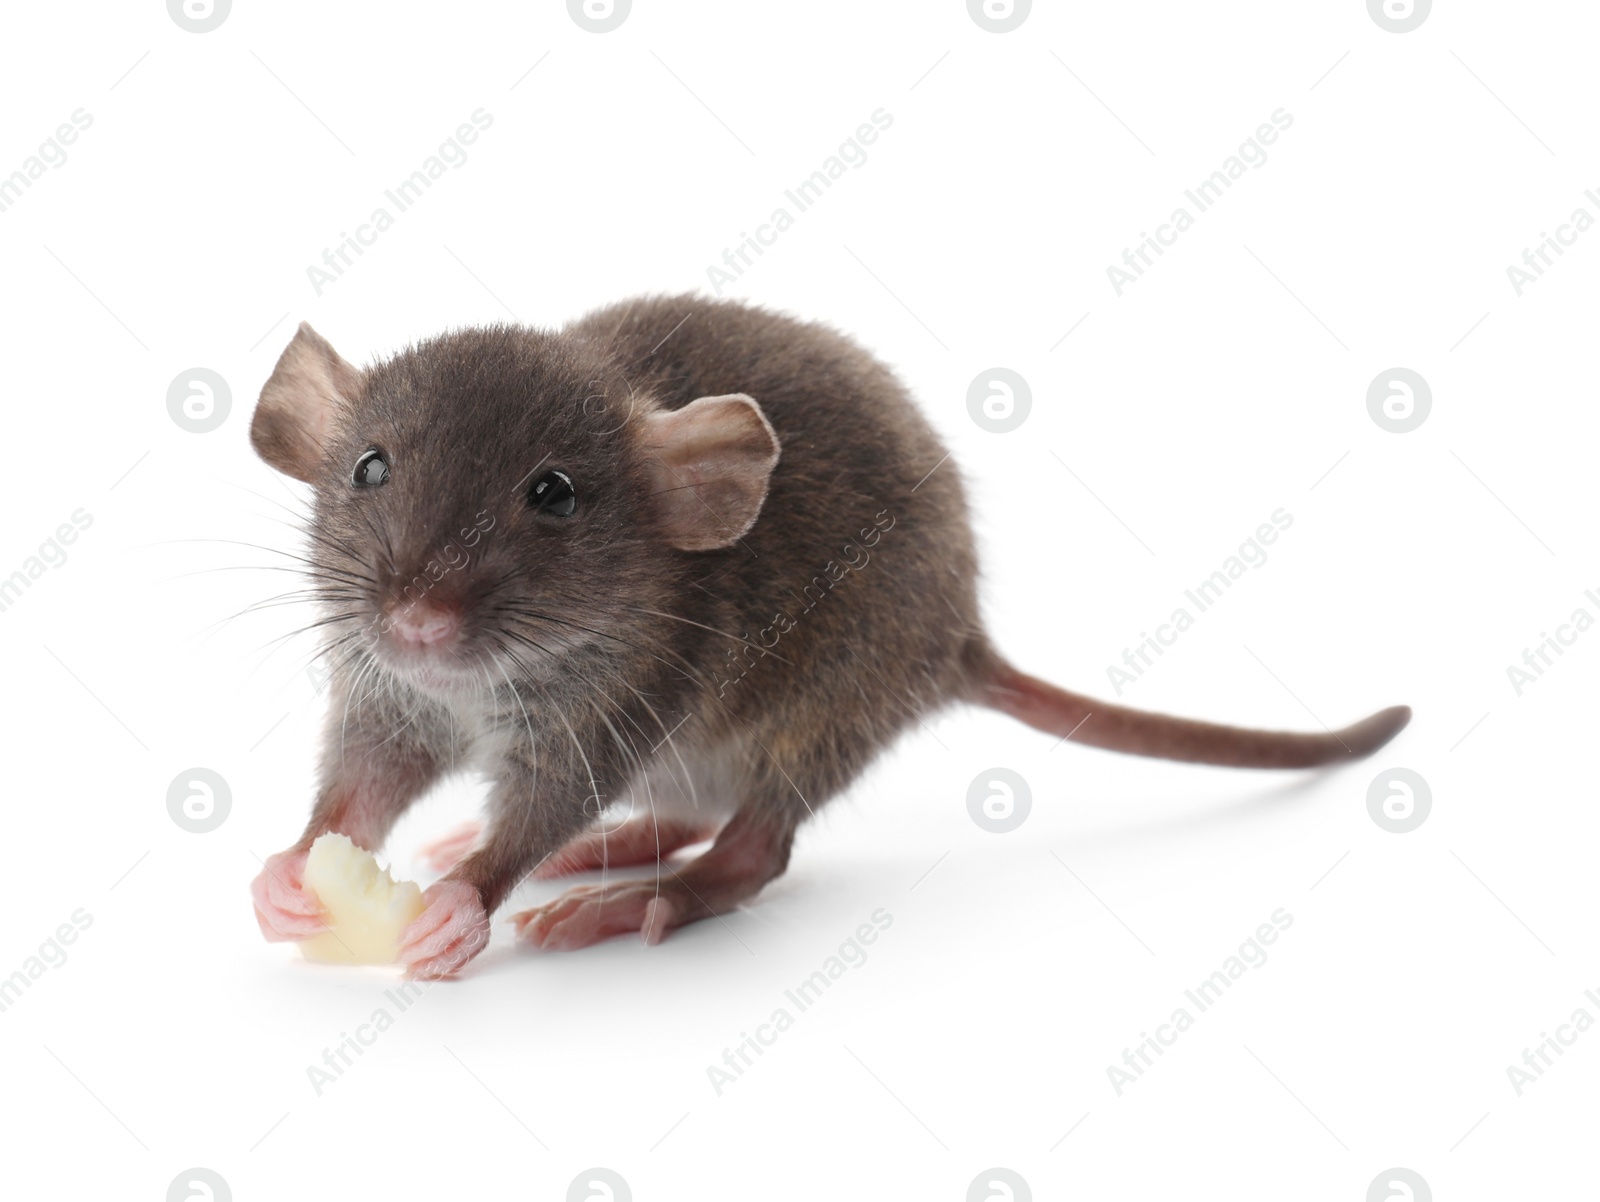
x=658 y=920
x=445 y=852
x=285 y=909
x=452 y=930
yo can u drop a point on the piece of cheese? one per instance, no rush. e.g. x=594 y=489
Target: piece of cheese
x=364 y=907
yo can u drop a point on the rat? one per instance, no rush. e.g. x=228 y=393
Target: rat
x=692 y=557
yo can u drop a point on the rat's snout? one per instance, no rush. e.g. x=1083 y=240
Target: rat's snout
x=423 y=622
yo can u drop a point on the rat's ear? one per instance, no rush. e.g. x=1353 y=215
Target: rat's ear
x=297 y=404
x=709 y=465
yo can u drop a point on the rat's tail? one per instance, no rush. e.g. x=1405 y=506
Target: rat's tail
x=1115 y=728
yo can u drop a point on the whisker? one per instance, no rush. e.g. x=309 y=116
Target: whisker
x=713 y=630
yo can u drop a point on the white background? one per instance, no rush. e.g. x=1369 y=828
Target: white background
x=1229 y=382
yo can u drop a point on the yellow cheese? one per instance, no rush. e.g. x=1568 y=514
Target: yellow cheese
x=364 y=907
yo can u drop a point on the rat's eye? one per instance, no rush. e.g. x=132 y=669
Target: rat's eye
x=553 y=493
x=371 y=470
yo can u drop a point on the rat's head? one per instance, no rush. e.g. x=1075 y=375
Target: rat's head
x=491 y=500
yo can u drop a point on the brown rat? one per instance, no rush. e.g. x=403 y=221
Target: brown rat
x=684 y=552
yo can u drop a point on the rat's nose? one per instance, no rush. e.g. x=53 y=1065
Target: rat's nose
x=424 y=622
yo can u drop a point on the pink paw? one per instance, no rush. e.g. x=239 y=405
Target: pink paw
x=284 y=907
x=445 y=852
x=584 y=916
x=453 y=929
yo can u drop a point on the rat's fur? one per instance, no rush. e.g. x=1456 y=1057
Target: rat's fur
x=743 y=685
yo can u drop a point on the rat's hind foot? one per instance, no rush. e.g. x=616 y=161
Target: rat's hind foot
x=749 y=852
x=445 y=852
x=586 y=914
x=637 y=841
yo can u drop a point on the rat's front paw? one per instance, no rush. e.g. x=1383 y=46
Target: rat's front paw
x=284 y=907
x=453 y=929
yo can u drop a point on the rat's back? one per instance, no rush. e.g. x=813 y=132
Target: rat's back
x=863 y=546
